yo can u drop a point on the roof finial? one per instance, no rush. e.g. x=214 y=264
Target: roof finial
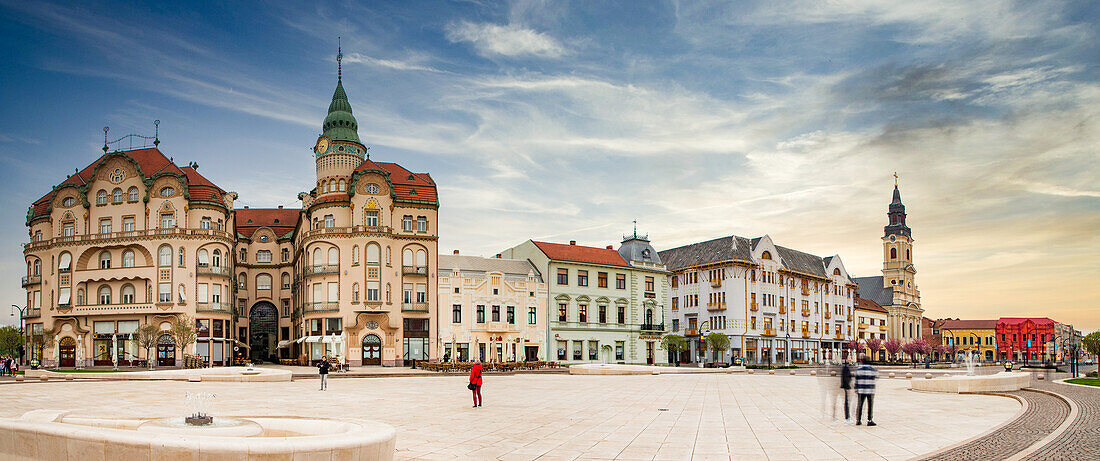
x=895 y=179
x=156 y=132
x=635 y=228
x=105 y=130
x=339 y=58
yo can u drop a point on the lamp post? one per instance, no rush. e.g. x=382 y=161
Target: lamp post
x=22 y=331
x=978 y=342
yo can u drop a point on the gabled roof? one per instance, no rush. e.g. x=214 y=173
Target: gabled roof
x=479 y=264
x=200 y=188
x=280 y=220
x=869 y=305
x=580 y=253
x=406 y=184
x=953 y=324
x=871 y=288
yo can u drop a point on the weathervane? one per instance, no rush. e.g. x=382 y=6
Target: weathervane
x=156 y=132
x=105 y=130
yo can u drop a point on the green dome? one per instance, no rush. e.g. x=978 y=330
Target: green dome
x=340 y=124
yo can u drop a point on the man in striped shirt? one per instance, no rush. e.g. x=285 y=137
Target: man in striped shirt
x=865 y=390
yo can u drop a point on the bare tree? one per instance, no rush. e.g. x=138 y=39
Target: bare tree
x=184 y=332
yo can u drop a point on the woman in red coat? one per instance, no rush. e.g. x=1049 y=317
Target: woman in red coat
x=475 y=382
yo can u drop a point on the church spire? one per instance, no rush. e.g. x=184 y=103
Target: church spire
x=340 y=124
x=896 y=212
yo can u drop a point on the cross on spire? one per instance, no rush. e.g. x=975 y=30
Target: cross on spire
x=339 y=59
x=895 y=179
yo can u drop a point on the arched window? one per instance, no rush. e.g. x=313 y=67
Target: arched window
x=407 y=258
x=421 y=259
x=649 y=316
x=105 y=260
x=182 y=261
x=101 y=197
x=116 y=195
x=37 y=270
x=893 y=253
x=766 y=255
x=263 y=282
x=286 y=280
x=217 y=261
x=355 y=255
x=317 y=261
x=333 y=256
x=133 y=193
x=343 y=185
x=204 y=258
x=164 y=256
x=127 y=294
x=372 y=253
x=79 y=296
x=64 y=262
x=355 y=292
x=128 y=258
x=241 y=281
x=105 y=294
x=836 y=271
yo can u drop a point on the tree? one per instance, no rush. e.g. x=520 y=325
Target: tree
x=10 y=340
x=717 y=342
x=674 y=344
x=41 y=342
x=939 y=349
x=909 y=350
x=184 y=332
x=1091 y=343
x=874 y=345
x=892 y=347
x=147 y=337
x=922 y=347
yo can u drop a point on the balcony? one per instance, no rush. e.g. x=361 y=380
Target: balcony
x=147 y=233
x=715 y=283
x=719 y=306
x=319 y=269
x=414 y=307
x=32 y=312
x=325 y=306
x=31 y=279
x=225 y=271
x=495 y=327
x=414 y=270
x=838 y=336
x=782 y=309
x=805 y=312
x=691 y=332
x=211 y=307
x=329 y=231
x=805 y=291
x=768 y=332
x=754 y=307
x=653 y=327
x=110 y=309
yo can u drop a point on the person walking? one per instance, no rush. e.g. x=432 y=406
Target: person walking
x=846 y=388
x=865 y=390
x=475 y=382
x=322 y=368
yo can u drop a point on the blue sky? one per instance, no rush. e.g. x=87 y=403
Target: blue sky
x=568 y=120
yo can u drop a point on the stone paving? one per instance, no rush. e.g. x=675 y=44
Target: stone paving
x=552 y=417
x=1082 y=439
x=1044 y=413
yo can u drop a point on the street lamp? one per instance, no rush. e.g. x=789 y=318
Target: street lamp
x=22 y=332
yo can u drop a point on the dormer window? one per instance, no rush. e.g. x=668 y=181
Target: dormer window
x=167 y=191
x=68 y=202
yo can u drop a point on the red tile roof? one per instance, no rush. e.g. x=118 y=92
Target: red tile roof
x=1019 y=320
x=869 y=305
x=332 y=197
x=578 y=253
x=406 y=184
x=280 y=220
x=969 y=324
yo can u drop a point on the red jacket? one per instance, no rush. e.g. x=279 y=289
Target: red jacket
x=475 y=374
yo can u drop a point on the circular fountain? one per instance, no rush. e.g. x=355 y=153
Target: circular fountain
x=972 y=382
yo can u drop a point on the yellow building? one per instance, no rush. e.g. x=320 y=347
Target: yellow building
x=970 y=336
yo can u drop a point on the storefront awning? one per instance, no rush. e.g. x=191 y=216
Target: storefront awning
x=284 y=343
x=299 y=340
x=313 y=339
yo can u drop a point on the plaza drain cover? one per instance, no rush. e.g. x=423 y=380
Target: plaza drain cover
x=662 y=409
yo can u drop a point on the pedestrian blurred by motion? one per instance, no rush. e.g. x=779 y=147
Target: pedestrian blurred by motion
x=865 y=390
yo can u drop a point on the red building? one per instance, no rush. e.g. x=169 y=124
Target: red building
x=1025 y=339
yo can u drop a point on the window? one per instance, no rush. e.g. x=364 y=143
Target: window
x=263 y=256
x=182 y=262
x=127 y=294
x=132 y=193
x=164 y=293
x=622 y=315
x=204 y=223
x=373 y=254
x=407 y=223
x=333 y=256
x=372 y=291
x=480 y=313
x=164 y=256
x=582 y=313
x=68 y=202
x=104 y=295
x=167 y=220
x=286 y=255
x=511 y=315
x=563 y=276
x=582 y=278
x=421 y=224
x=263 y=282
x=531 y=318
x=407 y=291
x=649 y=284
x=893 y=253
x=496 y=313
x=343 y=185
x=602 y=314
x=286 y=281
x=105 y=226
x=675 y=281
x=355 y=292
x=421 y=292
x=456 y=313
x=330 y=221
x=593 y=347
x=68 y=229
x=37 y=268
x=372 y=218
x=204 y=258
x=355 y=255
x=116 y=195
x=562 y=310
x=619 y=350
x=128 y=224
x=620 y=281
x=578 y=352
x=101 y=197
x=167 y=192
x=105 y=260
x=372 y=188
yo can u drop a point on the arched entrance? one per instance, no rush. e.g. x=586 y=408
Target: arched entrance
x=67 y=352
x=166 y=351
x=372 y=350
x=263 y=325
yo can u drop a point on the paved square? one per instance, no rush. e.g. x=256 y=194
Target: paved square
x=551 y=417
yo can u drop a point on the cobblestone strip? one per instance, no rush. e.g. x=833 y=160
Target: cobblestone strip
x=1082 y=439
x=1044 y=413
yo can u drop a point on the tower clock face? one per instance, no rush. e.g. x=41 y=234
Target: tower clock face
x=322 y=145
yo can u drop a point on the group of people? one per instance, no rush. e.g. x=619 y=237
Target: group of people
x=323 y=367
x=8 y=366
x=862 y=380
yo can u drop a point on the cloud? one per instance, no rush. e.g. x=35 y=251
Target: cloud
x=389 y=63
x=507 y=40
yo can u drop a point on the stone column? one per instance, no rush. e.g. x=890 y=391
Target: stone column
x=80 y=352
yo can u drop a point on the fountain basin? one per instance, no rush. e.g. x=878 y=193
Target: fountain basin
x=58 y=435
x=999 y=382
x=231 y=374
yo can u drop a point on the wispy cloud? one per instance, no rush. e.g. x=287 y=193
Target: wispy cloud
x=505 y=40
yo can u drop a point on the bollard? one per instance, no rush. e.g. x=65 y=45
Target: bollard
x=813 y=372
x=891 y=374
x=908 y=376
x=832 y=373
x=194 y=379
x=771 y=372
x=729 y=372
x=792 y=372
x=69 y=377
x=750 y=371
x=928 y=376
x=19 y=378
x=1040 y=377
x=44 y=378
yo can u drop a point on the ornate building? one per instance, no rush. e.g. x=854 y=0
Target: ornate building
x=135 y=239
x=896 y=290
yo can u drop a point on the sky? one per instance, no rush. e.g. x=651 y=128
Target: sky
x=569 y=120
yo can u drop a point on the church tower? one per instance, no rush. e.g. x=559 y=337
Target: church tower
x=338 y=150
x=898 y=272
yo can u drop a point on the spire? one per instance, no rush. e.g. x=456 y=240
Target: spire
x=340 y=124
x=896 y=213
x=340 y=68
x=897 y=193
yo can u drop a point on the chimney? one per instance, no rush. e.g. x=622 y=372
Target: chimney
x=280 y=207
x=498 y=256
x=456 y=252
x=246 y=207
x=572 y=242
x=609 y=247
